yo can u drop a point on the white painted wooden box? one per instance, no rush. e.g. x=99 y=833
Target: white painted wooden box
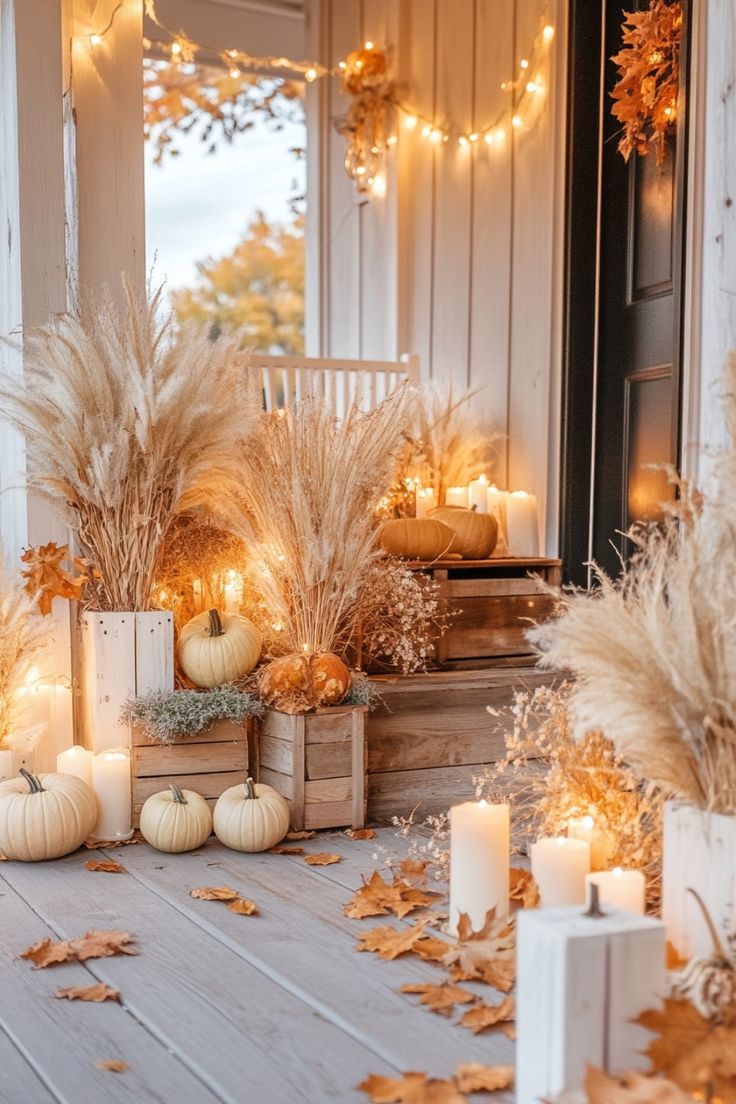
x=699 y=854
x=581 y=980
x=124 y=655
x=12 y=761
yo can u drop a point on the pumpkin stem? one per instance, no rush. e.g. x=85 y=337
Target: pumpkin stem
x=179 y=798
x=216 y=628
x=34 y=784
x=718 y=950
x=250 y=790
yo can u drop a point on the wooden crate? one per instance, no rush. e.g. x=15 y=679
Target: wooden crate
x=496 y=600
x=208 y=763
x=317 y=761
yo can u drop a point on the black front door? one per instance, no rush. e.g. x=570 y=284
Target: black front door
x=625 y=265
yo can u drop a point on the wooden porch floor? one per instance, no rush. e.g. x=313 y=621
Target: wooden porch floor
x=272 y=1009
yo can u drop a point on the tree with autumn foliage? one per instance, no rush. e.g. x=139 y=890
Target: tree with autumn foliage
x=258 y=288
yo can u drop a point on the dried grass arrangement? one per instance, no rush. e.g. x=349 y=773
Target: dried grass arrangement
x=654 y=652
x=310 y=485
x=195 y=549
x=23 y=639
x=128 y=422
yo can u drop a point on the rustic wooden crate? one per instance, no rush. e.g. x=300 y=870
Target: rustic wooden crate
x=208 y=763
x=317 y=761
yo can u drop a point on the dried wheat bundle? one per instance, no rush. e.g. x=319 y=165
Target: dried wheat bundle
x=127 y=423
x=654 y=652
x=310 y=485
x=24 y=637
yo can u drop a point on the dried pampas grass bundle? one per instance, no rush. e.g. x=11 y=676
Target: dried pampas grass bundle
x=128 y=422
x=24 y=636
x=654 y=652
x=310 y=485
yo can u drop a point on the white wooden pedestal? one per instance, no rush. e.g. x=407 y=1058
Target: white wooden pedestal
x=699 y=854
x=581 y=981
x=123 y=655
x=12 y=761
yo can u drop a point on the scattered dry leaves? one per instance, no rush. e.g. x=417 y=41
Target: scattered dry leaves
x=361 y=833
x=631 y=1088
x=323 y=858
x=95 y=993
x=300 y=835
x=696 y=1054
x=439 y=998
x=279 y=850
x=415 y=870
x=215 y=893
x=473 y=1077
x=523 y=890
x=243 y=907
x=377 y=897
x=674 y=959
x=93 y=944
x=46 y=579
x=107 y=866
x=412 y=1088
x=388 y=942
x=487 y=955
x=113 y=1065
x=431 y=948
x=482 y=1017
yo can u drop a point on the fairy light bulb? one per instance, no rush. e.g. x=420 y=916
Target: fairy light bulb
x=516 y=121
x=176 y=48
x=524 y=64
x=311 y=74
x=426 y=131
x=462 y=141
x=532 y=86
x=378 y=187
x=234 y=72
x=95 y=39
x=368 y=45
x=410 y=121
x=436 y=135
x=391 y=140
x=342 y=65
x=548 y=33
x=473 y=137
x=445 y=137
x=488 y=138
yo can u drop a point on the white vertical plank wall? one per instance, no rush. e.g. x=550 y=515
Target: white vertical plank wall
x=460 y=261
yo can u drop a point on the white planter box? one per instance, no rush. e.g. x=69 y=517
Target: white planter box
x=12 y=761
x=123 y=655
x=699 y=854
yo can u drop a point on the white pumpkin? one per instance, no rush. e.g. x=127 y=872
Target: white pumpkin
x=45 y=816
x=217 y=648
x=176 y=820
x=252 y=817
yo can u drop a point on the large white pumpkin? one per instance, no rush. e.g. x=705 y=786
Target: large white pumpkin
x=176 y=820
x=45 y=816
x=217 y=648
x=252 y=817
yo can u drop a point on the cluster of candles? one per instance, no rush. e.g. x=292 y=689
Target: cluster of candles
x=563 y=867
x=515 y=511
x=108 y=774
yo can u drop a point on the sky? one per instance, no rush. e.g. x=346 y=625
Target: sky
x=198 y=205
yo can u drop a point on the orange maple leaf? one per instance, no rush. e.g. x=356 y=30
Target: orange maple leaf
x=46 y=579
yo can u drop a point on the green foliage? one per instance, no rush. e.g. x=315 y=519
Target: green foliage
x=257 y=290
x=167 y=717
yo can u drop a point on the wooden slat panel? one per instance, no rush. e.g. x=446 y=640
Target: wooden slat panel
x=195 y=759
x=281 y=782
x=208 y=785
x=108 y=653
x=328 y=814
x=154 y=652
x=279 y=725
x=328 y=760
x=487 y=588
x=407 y=744
x=495 y=626
x=328 y=727
x=277 y=754
x=325 y=790
x=219 y=731
x=396 y=793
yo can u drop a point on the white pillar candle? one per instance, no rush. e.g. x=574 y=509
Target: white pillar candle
x=559 y=866
x=522 y=526
x=456 y=496
x=424 y=500
x=496 y=505
x=478 y=494
x=233 y=591
x=625 y=889
x=76 y=760
x=111 y=783
x=602 y=841
x=479 y=861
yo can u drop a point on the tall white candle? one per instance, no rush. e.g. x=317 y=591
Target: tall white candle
x=456 y=496
x=602 y=841
x=424 y=500
x=559 y=866
x=624 y=888
x=479 y=861
x=522 y=526
x=233 y=591
x=76 y=760
x=478 y=494
x=111 y=783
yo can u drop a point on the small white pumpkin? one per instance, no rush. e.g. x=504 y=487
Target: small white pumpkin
x=252 y=817
x=217 y=648
x=176 y=820
x=708 y=983
x=45 y=816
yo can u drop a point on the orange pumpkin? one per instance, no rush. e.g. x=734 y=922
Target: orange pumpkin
x=298 y=683
x=475 y=534
x=416 y=538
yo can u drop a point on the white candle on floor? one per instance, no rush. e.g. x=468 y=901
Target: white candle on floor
x=478 y=494
x=602 y=841
x=111 y=783
x=456 y=496
x=559 y=866
x=479 y=861
x=624 y=888
x=496 y=505
x=76 y=760
x=522 y=526
x=424 y=500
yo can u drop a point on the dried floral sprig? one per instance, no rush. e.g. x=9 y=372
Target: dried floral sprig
x=128 y=423
x=166 y=717
x=645 y=94
x=24 y=637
